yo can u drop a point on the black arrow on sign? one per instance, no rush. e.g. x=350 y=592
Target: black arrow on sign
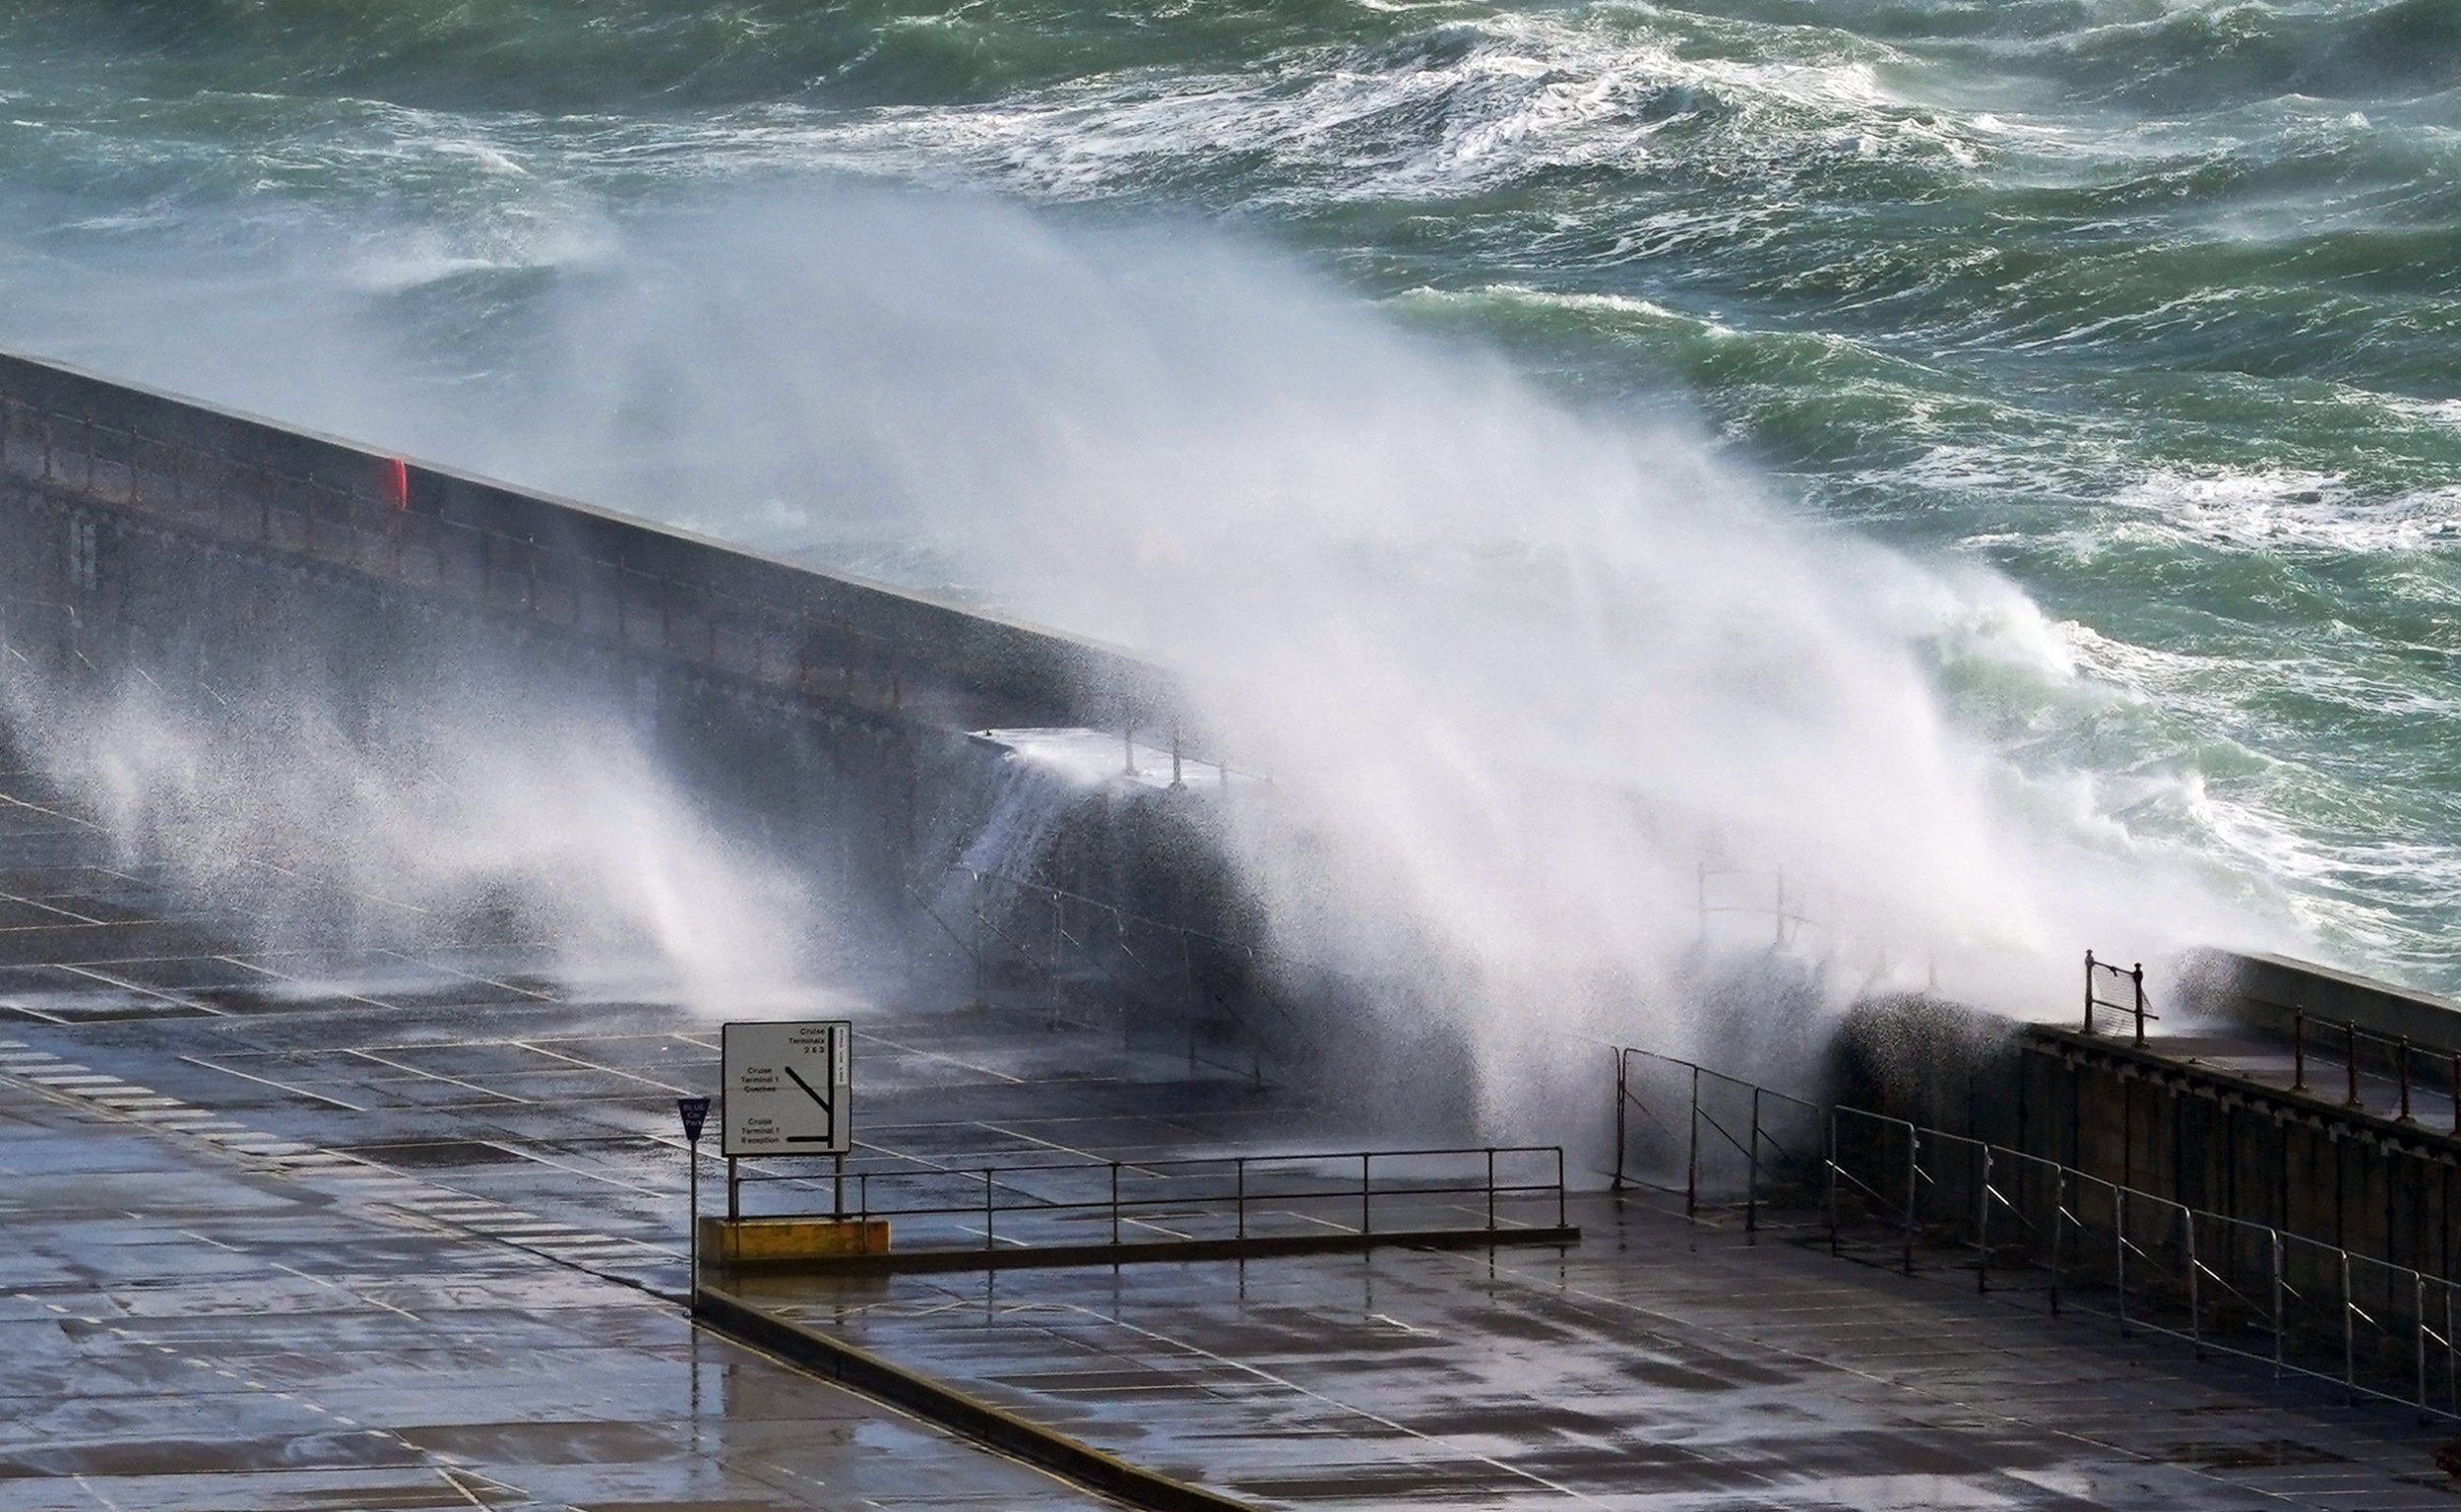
x=813 y=1139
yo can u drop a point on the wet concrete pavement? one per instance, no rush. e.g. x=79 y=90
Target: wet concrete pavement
x=355 y=1228
x=361 y=1227
x=1659 y=1366
x=188 y=1329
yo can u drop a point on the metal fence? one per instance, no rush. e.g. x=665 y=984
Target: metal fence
x=2102 y=977
x=2224 y=1284
x=1364 y=1192
x=1719 y=1140
x=1719 y=895
x=1887 y=1187
x=2365 y=1054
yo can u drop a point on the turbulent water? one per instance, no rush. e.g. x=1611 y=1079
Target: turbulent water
x=2151 y=310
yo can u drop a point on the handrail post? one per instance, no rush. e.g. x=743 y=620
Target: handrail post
x=2299 y=1057
x=1367 y=1187
x=2278 y=1325
x=2403 y=1073
x=2059 y=1228
x=1914 y=1175
x=2348 y=1332
x=1559 y=1188
x=2196 y=1318
x=2418 y=1313
x=1983 y=1225
x=1490 y=1187
x=1752 y=1186
x=1238 y=1173
x=863 y=1194
x=1114 y=1203
x=2089 y=992
x=2349 y=1038
x=2138 y=976
x=983 y=970
x=1829 y=1158
x=1623 y=1060
x=1692 y=1156
x=2118 y=1249
x=986 y=1208
x=1187 y=967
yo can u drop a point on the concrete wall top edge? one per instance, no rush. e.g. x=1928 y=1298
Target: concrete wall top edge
x=928 y=633
x=2269 y=990
x=2351 y=980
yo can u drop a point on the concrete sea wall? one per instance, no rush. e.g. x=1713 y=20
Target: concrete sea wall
x=145 y=536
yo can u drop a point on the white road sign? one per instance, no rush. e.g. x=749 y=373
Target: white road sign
x=790 y=1088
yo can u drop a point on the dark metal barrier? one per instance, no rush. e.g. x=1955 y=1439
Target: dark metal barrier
x=2396 y=1061
x=2151 y=1264
x=1756 y=1140
x=1349 y=1191
x=2102 y=974
x=2222 y=1284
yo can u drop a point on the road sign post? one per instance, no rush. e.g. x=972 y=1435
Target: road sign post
x=790 y=1091
x=694 y=1112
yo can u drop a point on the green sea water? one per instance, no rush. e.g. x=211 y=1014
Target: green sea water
x=2151 y=309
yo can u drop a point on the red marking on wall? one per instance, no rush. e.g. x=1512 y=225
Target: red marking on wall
x=397 y=483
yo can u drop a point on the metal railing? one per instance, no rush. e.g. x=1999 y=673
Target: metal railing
x=2152 y=1265
x=1792 y=913
x=1783 y=911
x=1344 y=1191
x=1773 y=1141
x=2097 y=974
x=2398 y=1057
x=2398 y=1061
x=2222 y=1284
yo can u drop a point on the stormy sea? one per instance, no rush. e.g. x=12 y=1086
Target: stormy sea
x=2000 y=463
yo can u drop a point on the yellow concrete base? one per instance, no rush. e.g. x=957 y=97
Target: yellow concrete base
x=766 y=1240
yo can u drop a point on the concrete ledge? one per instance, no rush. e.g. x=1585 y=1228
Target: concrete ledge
x=736 y=1241
x=1151 y=1251
x=866 y=1372
x=371 y=492
x=2316 y=1109
x=2267 y=992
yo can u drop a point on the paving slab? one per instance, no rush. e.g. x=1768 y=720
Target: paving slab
x=1660 y=1364
x=185 y=1333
